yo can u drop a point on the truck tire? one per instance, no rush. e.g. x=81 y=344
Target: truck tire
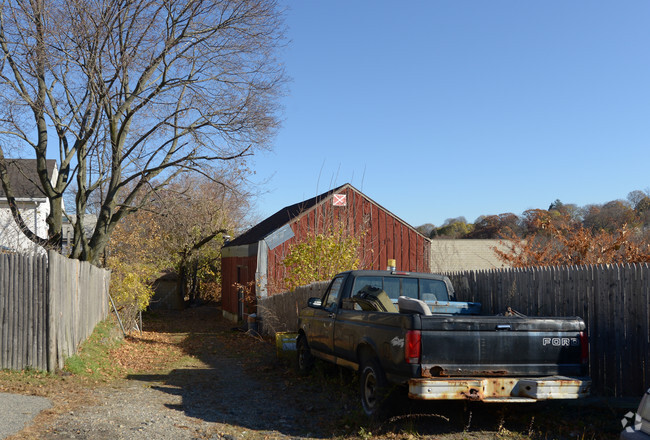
x=373 y=387
x=305 y=360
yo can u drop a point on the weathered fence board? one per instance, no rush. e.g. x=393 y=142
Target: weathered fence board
x=18 y=332
x=279 y=313
x=612 y=299
x=48 y=306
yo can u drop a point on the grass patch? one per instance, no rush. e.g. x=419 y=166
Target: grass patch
x=92 y=364
x=28 y=376
x=106 y=355
x=93 y=360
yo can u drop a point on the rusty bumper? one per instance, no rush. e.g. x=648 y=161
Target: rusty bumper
x=500 y=389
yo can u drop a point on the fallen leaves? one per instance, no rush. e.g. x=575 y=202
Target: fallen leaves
x=148 y=351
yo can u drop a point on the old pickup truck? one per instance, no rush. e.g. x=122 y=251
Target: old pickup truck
x=398 y=328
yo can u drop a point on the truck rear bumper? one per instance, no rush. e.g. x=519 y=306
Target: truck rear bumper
x=500 y=389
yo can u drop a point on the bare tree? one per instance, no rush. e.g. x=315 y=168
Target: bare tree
x=195 y=215
x=129 y=94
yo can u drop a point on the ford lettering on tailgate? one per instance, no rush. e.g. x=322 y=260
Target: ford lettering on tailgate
x=561 y=342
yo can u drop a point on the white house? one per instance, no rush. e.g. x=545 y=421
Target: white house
x=31 y=201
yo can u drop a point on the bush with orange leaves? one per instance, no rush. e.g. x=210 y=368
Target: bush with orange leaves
x=556 y=239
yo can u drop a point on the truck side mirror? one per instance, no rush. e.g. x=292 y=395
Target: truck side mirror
x=315 y=303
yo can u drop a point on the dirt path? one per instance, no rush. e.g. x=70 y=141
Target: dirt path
x=230 y=385
x=216 y=400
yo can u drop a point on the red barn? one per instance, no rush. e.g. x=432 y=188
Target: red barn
x=252 y=262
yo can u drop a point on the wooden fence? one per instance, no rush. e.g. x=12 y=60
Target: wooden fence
x=48 y=306
x=279 y=313
x=613 y=301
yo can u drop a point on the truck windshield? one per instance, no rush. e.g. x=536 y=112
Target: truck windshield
x=418 y=288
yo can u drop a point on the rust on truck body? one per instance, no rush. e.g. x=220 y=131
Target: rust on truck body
x=498 y=389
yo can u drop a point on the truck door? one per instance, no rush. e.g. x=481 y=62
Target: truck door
x=322 y=329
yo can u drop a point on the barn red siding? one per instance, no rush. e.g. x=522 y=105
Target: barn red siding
x=386 y=237
x=230 y=268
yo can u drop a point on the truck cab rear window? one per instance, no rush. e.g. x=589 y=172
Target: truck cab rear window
x=433 y=290
x=418 y=288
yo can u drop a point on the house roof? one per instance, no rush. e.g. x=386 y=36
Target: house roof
x=23 y=177
x=280 y=218
x=465 y=254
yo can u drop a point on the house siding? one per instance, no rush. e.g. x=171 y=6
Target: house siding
x=359 y=214
x=34 y=213
x=33 y=206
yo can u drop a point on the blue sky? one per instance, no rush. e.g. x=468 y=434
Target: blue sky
x=440 y=109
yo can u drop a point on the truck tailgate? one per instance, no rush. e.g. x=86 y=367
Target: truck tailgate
x=502 y=346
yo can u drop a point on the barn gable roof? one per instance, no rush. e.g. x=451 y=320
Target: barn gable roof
x=289 y=213
x=23 y=178
x=280 y=218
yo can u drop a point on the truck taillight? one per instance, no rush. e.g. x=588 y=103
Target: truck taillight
x=412 y=348
x=584 y=348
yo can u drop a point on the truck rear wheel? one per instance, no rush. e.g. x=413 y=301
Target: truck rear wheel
x=305 y=360
x=373 y=387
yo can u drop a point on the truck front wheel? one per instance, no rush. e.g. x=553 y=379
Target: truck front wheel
x=305 y=359
x=373 y=389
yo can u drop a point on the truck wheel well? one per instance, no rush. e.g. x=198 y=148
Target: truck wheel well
x=364 y=351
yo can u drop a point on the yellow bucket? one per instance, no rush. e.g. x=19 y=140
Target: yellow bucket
x=285 y=344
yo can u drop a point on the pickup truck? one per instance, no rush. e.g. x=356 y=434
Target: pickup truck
x=399 y=328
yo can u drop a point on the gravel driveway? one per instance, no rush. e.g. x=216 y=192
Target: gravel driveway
x=221 y=396
x=221 y=402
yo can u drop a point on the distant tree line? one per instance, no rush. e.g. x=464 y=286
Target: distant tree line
x=564 y=234
x=634 y=212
